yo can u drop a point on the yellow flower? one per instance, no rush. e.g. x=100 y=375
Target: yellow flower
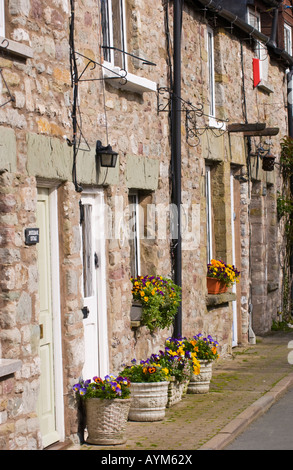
x=145 y=298
x=142 y=293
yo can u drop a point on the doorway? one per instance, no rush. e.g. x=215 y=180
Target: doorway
x=92 y=228
x=50 y=406
x=236 y=253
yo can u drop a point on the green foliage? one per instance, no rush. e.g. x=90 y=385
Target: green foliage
x=286 y=159
x=109 y=388
x=284 y=206
x=145 y=371
x=160 y=298
x=206 y=348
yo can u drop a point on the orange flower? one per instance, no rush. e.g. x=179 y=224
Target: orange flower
x=151 y=370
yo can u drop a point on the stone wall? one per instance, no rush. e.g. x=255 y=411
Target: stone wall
x=19 y=334
x=34 y=153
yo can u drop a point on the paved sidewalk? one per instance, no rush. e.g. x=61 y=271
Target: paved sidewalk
x=243 y=387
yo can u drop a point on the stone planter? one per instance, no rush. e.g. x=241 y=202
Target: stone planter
x=201 y=383
x=216 y=287
x=175 y=392
x=106 y=420
x=149 y=401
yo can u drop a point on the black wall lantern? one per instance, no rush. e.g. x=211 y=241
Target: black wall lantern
x=106 y=155
x=268 y=162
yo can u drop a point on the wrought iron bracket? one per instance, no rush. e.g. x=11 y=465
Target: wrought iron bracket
x=192 y=112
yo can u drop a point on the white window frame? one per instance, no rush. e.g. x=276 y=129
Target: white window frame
x=113 y=72
x=2 y=19
x=213 y=122
x=261 y=52
x=14 y=47
x=211 y=71
x=135 y=202
x=288 y=38
x=111 y=62
x=209 y=223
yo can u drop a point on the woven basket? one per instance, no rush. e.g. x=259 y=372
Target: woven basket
x=106 y=420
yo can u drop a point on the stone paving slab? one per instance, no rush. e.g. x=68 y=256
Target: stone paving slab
x=243 y=387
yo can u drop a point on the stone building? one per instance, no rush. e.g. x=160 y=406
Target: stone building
x=194 y=86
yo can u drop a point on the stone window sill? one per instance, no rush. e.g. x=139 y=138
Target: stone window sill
x=215 y=124
x=15 y=48
x=266 y=86
x=9 y=366
x=217 y=300
x=132 y=83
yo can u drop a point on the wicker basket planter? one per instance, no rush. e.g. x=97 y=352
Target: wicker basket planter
x=149 y=401
x=106 y=420
x=201 y=383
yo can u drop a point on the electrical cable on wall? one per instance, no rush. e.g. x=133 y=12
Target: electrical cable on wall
x=77 y=77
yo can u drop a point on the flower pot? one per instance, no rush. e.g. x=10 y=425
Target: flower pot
x=201 y=383
x=215 y=286
x=106 y=420
x=136 y=311
x=149 y=401
x=175 y=392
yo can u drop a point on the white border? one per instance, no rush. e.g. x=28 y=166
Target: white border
x=234 y=302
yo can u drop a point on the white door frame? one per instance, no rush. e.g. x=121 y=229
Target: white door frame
x=101 y=284
x=55 y=296
x=234 y=302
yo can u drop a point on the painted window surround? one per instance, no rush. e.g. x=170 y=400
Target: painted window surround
x=7 y=45
x=213 y=122
x=253 y=18
x=111 y=71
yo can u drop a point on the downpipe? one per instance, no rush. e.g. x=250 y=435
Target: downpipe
x=176 y=154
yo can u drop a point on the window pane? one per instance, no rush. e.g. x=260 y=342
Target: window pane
x=133 y=236
x=106 y=29
x=87 y=251
x=118 y=33
x=288 y=39
x=209 y=215
x=211 y=73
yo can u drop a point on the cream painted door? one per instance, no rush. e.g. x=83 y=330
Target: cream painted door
x=46 y=402
x=94 y=285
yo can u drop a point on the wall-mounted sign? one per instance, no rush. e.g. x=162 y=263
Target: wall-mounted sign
x=31 y=236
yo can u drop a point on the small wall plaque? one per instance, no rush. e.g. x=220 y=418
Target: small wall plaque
x=31 y=236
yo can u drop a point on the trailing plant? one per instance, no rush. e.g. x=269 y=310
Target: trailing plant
x=160 y=298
